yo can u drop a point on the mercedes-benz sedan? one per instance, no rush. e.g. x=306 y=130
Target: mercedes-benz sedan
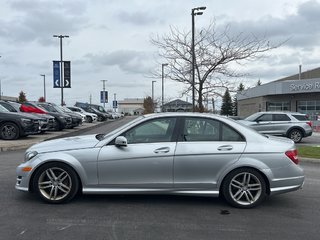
x=171 y=153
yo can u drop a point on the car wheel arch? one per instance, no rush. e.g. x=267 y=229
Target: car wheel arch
x=296 y=128
x=223 y=178
x=34 y=172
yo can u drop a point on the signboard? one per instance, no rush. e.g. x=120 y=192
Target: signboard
x=56 y=74
x=104 y=96
x=115 y=104
x=67 y=74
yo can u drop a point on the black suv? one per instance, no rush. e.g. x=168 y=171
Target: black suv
x=47 y=122
x=15 y=125
x=96 y=109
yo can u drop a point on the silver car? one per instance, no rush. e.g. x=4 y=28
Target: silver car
x=287 y=124
x=170 y=153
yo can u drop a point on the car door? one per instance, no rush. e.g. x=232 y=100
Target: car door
x=206 y=147
x=263 y=124
x=146 y=161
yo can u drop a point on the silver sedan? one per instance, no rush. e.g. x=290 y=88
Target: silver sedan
x=171 y=153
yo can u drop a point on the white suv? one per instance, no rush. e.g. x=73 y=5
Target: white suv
x=288 y=124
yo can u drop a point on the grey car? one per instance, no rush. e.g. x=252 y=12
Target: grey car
x=287 y=124
x=168 y=153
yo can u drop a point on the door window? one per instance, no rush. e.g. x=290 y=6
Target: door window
x=203 y=129
x=157 y=130
x=265 y=118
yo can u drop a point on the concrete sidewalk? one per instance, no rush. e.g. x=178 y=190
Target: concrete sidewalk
x=23 y=143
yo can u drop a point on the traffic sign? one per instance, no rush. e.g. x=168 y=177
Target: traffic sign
x=56 y=74
x=115 y=104
x=104 y=96
x=67 y=74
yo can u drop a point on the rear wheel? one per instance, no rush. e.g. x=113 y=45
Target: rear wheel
x=295 y=135
x=89 y=119
x=244 y=188
x=56 y=183
x=9 y=131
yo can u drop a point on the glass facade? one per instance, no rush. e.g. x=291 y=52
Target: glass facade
x=278 y=106
x=311 y=108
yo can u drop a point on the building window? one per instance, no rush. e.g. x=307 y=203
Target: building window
x=278 y=106
x=311 y=108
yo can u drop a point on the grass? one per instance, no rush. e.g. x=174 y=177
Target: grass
x=309 y=151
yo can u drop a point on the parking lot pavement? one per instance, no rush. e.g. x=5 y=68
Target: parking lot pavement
x=26 y=142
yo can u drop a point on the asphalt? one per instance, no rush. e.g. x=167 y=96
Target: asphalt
x=26 y=142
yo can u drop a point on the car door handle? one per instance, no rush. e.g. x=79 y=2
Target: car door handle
x=162 y=150
x=225 y=148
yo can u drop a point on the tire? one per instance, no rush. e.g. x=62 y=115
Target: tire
x=9 y=131
x=295 y=135
x=55 y=183
x=244 y=188
x=89 y=119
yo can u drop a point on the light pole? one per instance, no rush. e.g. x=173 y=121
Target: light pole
x=104 y=92
x=194 y=12
x=44 y=86
x=61 y=64
x=153 y=95
x=162 y=92
x=0 y=88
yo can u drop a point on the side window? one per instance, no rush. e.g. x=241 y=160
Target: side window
x=229 y=134
x=158 y=130
x=201 y=129
x=265 y=118
x=281 y=117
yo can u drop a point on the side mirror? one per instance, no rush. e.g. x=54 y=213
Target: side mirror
x=121 y=141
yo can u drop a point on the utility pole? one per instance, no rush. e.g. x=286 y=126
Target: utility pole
x=0 y=88
x=44 y=86
x=153 y=95
x=162 y=76
x=61 y=65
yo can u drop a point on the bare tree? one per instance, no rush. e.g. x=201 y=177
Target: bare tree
x=215 y=52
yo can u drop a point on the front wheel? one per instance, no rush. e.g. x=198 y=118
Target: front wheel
x=244 y=188
x=295 y=135
x=56 y=183
x=9 y=131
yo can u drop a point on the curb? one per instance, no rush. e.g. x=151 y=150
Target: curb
x=310 y=160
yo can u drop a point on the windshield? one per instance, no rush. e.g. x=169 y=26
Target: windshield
x=3 y=109
x=252 y=117
x=123 y=127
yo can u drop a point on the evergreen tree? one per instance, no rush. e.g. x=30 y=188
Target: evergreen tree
x=259 y=83
x=226 y=108
x=148 y=105
x=235 y=100
x=22 y=97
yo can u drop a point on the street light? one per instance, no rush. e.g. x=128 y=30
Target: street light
x=194 y=12
x=153 y=95
x=44 y=86
x=61 y=61
x=162 y=93
x=104 y=92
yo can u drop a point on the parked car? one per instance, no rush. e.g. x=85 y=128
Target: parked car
x=14 y=125
x=47 y=122
x=90 y=117
x=76 y=120
x=79 y=114
x=92 y=108
x=287 y=124
x=62 y=120
x=169 y=153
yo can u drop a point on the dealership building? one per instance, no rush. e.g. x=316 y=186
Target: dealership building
x=297 y=93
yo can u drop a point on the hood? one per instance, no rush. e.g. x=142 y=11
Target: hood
x=63 y=144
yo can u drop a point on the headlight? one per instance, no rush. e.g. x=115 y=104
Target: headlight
x=26 y=121
x=29 y=155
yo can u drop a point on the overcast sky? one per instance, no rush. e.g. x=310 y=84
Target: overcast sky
x=110 y=39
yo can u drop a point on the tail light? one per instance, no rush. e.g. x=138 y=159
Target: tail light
x=293 y=155
x=309 y=123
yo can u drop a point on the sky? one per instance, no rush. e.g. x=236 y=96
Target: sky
x=110 y=40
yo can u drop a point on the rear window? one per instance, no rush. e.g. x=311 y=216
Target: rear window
x=281 y=117
x=301 y=117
